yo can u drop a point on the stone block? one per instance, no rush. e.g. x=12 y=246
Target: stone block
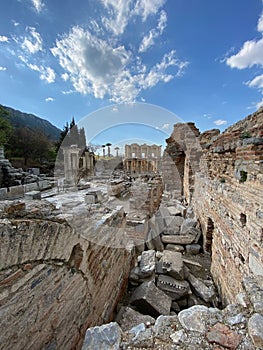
x=187 y=226
x=200 y=289
x=90 y=199
x=195 y=318
x=255 y=265
x=15 y=192
x=193 y=248
x=147 y=263
x=224 y=336
x=172 y=264
x=178 y=239
x=150 y=300
x=174 y=247
x=33 y=195
x=105 y=337
x=255 y=330
x=128 y=318
x=176 y=288
x=3 y=193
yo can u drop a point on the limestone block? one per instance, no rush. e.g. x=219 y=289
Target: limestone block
x=255 y=265
x=172 y=264
x=187 y=226
x=255 y=330
x=200 y=289
x=105 y=337
x=3 y=193
x=33 y=195
x=151 y=300
x=193 y=248
x=195 y=318
x=147 y=263
x=174 y=247
x=176 y=288
x=128 y=318
x=178 y=239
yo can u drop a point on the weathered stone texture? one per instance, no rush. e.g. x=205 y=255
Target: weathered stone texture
x=228 y=203
x=54 y=282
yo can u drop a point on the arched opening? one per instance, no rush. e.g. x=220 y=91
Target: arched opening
x=76 y=256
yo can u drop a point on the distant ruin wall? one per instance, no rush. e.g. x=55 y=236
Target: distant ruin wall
x=54 y=283
x=228 y=203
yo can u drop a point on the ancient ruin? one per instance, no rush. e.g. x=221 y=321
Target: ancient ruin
x=145 y=253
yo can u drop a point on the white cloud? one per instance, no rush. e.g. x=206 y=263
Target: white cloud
x=148 y=40
x=33 y=42
x=220 y=122
x=49 y=99
x=145 y=8
x=46 y=73
x=69 y=92
x=98 y=67
x=15 y=23
x=256 y=82
x=251 y=54
x=38 y=5
x=165 y=126
x=121 y=11
x=118 y=15
x=259 y=104
x=260 y=23
x=2 y=69
x=65 y=76
x=4 y=39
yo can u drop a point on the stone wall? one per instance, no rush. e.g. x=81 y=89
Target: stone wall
x=54 y=281
x=228 y=203
x=181 y=160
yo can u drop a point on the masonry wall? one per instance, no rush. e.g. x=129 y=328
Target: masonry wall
x=54 y=282
x=228 y=201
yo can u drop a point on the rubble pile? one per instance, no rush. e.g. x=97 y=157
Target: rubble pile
x=236 y=327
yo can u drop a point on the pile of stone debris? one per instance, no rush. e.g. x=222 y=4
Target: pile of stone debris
x=172 y=302
x=239 y=326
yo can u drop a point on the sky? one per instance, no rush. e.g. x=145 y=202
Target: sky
x=150 y=63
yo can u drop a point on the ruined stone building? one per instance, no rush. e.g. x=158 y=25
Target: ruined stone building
x=64 y=269
x=77 y=163
x=142 y=159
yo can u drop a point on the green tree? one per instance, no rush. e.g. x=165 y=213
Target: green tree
x=5 y=127
x=30 y=144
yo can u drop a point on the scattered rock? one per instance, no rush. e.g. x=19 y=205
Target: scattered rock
x=193 y=248
x=128 y=318
x=255 y=330
x=178 y=239
x=200 y=289
x=105 y=337
x=147 y=263
x=174 y=248
x=175 y=288
x=172 y=264
x=150 y=300
x=223 y=335
x=195 y=318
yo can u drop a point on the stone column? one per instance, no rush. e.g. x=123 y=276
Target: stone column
x=71 y=164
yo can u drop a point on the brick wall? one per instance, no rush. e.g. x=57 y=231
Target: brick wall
x=54 y=282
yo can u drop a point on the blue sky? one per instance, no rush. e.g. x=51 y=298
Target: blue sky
x=199 y=59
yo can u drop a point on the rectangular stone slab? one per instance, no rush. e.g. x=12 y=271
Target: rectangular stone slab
x=150 y=300
x=172 y=264
x=178 y=239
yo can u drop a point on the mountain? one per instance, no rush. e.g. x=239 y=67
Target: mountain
x=19 y=119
